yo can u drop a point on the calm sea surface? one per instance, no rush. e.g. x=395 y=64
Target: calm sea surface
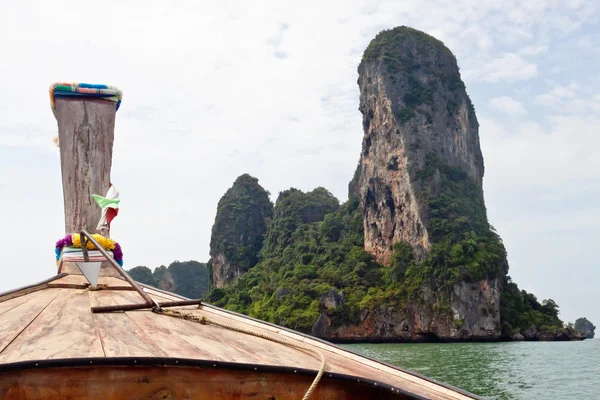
x=514 y=370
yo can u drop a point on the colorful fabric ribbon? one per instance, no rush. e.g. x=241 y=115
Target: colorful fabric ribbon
x=105 y=92
x=109 y=206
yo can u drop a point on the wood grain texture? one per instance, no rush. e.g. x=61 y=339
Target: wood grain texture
x=57 y=323
x=106 y=269
x=9 y=304
x=219 y=343
x=14 y=321
x=80 y=282
x=86 y=134
x=180 y=338
x=64 y=329
x=341 y=361
x=119 y=335
x=170 y=383
x=164 y=296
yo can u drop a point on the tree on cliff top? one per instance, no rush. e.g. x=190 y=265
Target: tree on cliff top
x=286 y=287
x=190 y=278
x=521 y=311
x=241 y=222
x=292 y=209
x=144 y=275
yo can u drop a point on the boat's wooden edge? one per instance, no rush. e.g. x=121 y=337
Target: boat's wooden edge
x=11 y=294
x=340 y=349
x=143 y=285
x=253 y=321
x=187 y=362
x=326 y=343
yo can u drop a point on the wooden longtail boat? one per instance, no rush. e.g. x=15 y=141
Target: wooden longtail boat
x=92 y=332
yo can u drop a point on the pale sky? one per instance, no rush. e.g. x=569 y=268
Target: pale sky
x=214 y=89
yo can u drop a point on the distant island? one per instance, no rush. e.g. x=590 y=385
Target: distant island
x=585 y=327
x=410 y=256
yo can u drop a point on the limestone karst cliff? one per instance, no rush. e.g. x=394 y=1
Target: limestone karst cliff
x=410 y=256
x=419 y=181
x=238 y=232
x=189 y=278
x=416 y=112
x=585 y=327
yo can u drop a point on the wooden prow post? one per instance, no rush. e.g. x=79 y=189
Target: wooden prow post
x=86 y=131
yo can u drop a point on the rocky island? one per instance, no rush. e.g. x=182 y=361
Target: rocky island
x=585 y=327
x=410 y=256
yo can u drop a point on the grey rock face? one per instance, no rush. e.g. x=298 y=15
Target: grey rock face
x=281 y=292
x=224 y=271
x=474 y=316
x=414 y=104
x=400 y=130
x=238 y=231
x=585 y=327
x=477 y=306
x=332 y=299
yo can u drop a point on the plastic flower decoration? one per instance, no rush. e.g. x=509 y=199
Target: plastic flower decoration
x=74 y=240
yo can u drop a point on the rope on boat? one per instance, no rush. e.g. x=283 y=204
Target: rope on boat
x=205 y=321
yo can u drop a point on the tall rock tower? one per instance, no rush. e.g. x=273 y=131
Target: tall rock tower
x=420 y=181
x=238 y=232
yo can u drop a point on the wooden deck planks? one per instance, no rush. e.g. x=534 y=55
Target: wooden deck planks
x=159 y=296
x=8 y=305
x=14 y=321
x=341 y=361
x=23 y=292
x=119 y=335
x=215 y=343
x=114 y=283
x=226 y=344
x=57 y=323
x=80 y=282
x=180 y=338
x=64 y=329
x=272 y=353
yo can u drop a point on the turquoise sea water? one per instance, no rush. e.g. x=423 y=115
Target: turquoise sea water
x=513 y=370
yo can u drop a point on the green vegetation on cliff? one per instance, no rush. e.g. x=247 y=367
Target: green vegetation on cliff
x=314 y=246
x=304 y=259
x=389 y=46
x=292 y=209
x=241 y=222
x=521 y=311
x=463 y=245
x=144 y=275
x=408 y=56
x=190 y=278
x=286 y=287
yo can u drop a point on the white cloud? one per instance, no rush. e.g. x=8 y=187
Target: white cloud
x=569 y=99
x=509 y=67
x=529 y=154
x=542 y=189
x=533 y=50
x=507 y=105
